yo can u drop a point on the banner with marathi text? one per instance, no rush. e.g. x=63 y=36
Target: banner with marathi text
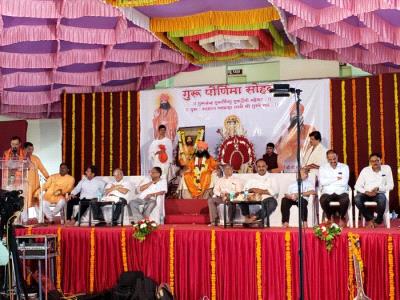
x=250 y=110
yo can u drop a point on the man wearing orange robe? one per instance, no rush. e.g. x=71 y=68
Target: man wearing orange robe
x=56 y=189
x=35 y=165
x=199 y=172
x=15 y=152
x=286 y=147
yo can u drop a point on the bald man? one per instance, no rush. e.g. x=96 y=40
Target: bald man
x=287 y=143
x=117 y=191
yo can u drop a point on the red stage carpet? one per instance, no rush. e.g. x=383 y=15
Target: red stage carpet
x=226 y=264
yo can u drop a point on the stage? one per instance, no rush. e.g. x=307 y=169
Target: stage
x=232 y=263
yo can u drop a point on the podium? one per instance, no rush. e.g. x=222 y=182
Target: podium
x=14 y=176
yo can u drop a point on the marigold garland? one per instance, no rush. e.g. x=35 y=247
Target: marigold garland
x=381 y=116
x=258 y=265
x=129 y=134
x=369 y=116
x=331 y=112
x=120 y=128
x=102 y=136
x=391 y=268
x=73 y=137
x=92 y=260
x=82 y=133
x=123 y=250
x=111 y=133
x=213 y=267
x=171 y=260
x=136 y=3
x=58 y=259
x=138 y=134
x=396 y=112
x=93 y=128
x=344 y=121
x=288 y=264
x=355 y=135
x=64 y=126
x=354 y=249
x=29 y=230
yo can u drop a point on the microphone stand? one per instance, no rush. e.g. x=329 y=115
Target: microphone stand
x=299 y=181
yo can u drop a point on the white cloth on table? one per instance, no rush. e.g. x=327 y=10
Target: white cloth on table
x=369 y=180
x=329 y=178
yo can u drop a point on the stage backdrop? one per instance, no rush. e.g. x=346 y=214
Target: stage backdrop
x=8 y=129
x=101 y=129
x=365 y=119
x=263 y=117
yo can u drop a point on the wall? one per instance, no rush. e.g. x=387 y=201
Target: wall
x=46 y=136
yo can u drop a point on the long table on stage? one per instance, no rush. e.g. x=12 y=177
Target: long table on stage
x=233 y=263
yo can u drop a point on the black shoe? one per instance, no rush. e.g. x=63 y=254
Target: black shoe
x=101 y=224
x=378 y=221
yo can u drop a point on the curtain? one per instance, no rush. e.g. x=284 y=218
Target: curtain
x=365 y=119
x=8 y=129
x=102 y=129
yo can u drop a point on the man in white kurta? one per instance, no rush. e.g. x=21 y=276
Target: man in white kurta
x=117 y=191
x=372 y=184
x=160 y=152
x=315 y=155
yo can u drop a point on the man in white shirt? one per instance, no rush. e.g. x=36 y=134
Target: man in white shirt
x=372 y=184
x=334 y=183
x=223 y=189
x=160 y=151
x=148 y=192
x=261 y=187
x=116 y=191
x=292 y=196
x=89 y=188
x=314 y=157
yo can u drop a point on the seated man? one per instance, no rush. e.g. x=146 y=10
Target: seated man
x=262 y=187
x=372 y=184
x=222 y=191
x=56 y=189
x=292 y=198
x=148 y=192
x=199 y=172
x=116 y=191
x=334 y=181
x=89 y=188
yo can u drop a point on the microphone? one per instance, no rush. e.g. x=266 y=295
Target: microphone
x=14 y=150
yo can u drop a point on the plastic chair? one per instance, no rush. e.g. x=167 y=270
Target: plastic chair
x=373 y=204
x=350 y=219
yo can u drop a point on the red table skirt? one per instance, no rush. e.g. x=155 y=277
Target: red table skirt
x=225 y=263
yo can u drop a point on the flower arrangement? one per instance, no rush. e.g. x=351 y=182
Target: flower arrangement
x=327 y=233
x=143 y=228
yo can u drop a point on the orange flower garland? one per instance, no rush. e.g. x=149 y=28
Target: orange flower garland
x=64 y=126
x=369 y=116
x=351 y=272
x=58 y=259
x=396 y=113
x=111 y=133
x=171 y=260
x=288 y=264
x=344 y=121
x=93 y=128
x=213 y=267
x=138 y=134
x=391 y=268
x=258 y=265
x=102 y=136
x=120 y=129
x=381 y=118
x=92 y=260
x=354 y=249
x=123 y=250
x=82 y=133
x=73 y=137
x=29 y=230
x=355 y=136
x=129 y=135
